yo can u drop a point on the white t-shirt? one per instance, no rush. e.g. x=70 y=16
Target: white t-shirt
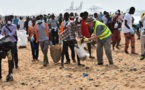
x=21 y=23
x=127 y=17
x=143 y=21
x=120 y=18
x=30 y=23
x=104 y=19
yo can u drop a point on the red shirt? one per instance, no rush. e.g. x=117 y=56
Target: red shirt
x=85 y=28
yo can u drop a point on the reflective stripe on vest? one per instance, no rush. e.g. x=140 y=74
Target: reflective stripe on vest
x=105 y=33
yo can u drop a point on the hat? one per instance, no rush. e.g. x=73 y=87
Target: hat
x=90 y=20
x=116 y=12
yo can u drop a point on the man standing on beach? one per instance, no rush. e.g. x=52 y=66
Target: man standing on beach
x=34 y=44
x=26 y=25
x=104 y=18
x=53 y=25
x=68 y=36
x=128 y=31
x=10 y=30
x=115 y=28
x=21 y=24
x=103 y=34
x=1 y=24
x=15 y=21
x=42 y=36
x=85 y=31
x=142 y=24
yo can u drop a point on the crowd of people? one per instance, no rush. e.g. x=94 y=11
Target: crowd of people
x=45 y=30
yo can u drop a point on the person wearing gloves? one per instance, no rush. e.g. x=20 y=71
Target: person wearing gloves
x=53 y=25
x=68 y=37
x=86 y=32
x=42 y=35
x=103 y=34
x=33 y=43
x=142 y=37
x=128 y=31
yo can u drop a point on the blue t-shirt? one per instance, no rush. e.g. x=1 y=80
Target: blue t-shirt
x=137 y=25
x=16 y=21
x=53 y=23
x=109 y=20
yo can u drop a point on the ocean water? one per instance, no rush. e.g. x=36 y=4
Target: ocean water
x=137 y=18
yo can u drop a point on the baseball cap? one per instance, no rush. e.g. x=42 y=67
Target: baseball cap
x=90 y=20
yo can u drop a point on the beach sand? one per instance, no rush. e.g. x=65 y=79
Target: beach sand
x=128 y=73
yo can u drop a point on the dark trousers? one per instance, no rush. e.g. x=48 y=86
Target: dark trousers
x=54 y=37
x=0 y=68
x=71 y=46
x=89 y=48
x=34 y=49
x=14 y=51
x=10 y=64
x=65 y=46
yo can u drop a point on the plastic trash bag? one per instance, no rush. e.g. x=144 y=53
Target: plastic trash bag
x=116 y=25
x=32 y=39
x=22 y=38
x=132 y=31
x=140 y=30
x=79 y=49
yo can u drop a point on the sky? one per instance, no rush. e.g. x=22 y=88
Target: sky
x=32 y=7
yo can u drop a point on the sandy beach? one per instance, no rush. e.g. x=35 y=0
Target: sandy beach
x=128 y=73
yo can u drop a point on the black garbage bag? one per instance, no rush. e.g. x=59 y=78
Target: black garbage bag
x=2 y=54
x=5 y=45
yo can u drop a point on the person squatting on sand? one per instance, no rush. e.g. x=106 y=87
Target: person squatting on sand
x=42 y=36
x=68 y=36
x=33 y=42
x=103 y=34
